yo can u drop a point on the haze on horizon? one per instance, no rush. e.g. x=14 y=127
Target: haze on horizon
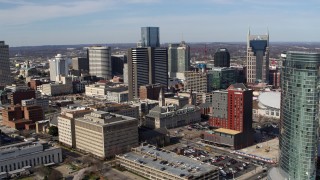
x=57 y=22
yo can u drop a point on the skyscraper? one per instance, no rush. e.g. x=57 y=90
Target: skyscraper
x=5 y=76
x=257 y=58
x=100 y=61
x=58 y=66
x=80 y=65
x=178 y=58
x=299 y=118
x=150 y=37
x=146 y=66
x=222 y=58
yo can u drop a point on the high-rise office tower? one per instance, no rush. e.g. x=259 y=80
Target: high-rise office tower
x=58 y=66
x=299 y=118
x=100 y=61
x=178 y=58
x=150 y=37
x=5 y=76
x=222 y=58
x=80 y=64
x=117 y=64
x=257 y=58
x=146 y=66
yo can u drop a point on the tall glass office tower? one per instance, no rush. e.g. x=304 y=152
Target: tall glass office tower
x=150 y=37
x=299 y=120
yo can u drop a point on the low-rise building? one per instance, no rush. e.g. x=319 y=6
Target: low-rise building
x=153 y=163
x=106 y=134
x=226 y=137
x=28 y=154
x=110 y=93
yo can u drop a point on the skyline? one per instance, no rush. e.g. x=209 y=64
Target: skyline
x=31 y=23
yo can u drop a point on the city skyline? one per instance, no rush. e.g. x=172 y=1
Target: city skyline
x=84 y=22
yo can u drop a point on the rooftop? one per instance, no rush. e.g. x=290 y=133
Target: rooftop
x=168 y=162
x=270 y=99
x=227 y=131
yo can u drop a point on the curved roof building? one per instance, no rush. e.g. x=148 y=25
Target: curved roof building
x=270 y=100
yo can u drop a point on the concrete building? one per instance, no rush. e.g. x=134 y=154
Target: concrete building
x=100 y=61
x=66 y=126
x=106 y=134
x=5 y=74
x=226 y=137
x=24 y=155
x=63 y=85
x=150 y=37
x=153 y=163
x=179 y=101
x=58 y=66
x=171 y=116
x=178 y=58
x=257 y=58
x=221 y=78
x=299 y=117
x=122 y=109
x=80 y=65
x=117 y=94
x=146 y=66
x=196 y=81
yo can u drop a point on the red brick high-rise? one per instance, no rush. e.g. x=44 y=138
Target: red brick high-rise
x=233 y=108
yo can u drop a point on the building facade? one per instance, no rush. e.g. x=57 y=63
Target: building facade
x=196 y=81
x=222 y=58
x=58 y=66
x=28 y=154
x=156 y=166
x=106 y=134
x=117 y=62
x=5 y=74
x=299 y=116
x=150 y=37
x=257 y=58
x=80 y=65
x=146 y=66
x=178 y=58
x=150 y=91
x=100 y=61
x=221 y=78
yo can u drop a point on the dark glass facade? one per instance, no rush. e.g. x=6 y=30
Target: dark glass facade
x=222 y=58
x=150 y=37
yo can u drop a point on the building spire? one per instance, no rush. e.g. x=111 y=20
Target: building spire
x=161 y=98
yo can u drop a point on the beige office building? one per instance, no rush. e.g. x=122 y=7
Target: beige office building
x=105 y=134
x=100 y=61
x=66 y=126
x=196 y=81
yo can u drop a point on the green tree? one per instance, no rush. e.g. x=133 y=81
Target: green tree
x=53 y=131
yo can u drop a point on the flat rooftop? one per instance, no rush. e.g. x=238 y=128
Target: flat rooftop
x=227 y=131
x=174 y=164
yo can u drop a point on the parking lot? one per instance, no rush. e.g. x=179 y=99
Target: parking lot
x=228 y=166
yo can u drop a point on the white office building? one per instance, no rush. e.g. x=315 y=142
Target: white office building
x=58 y=66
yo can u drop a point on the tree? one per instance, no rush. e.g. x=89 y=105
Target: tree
x=53 y=131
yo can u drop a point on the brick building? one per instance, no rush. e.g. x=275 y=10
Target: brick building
x=150 y=91
x=232 y=109
x=21 y=94
x=22 y=117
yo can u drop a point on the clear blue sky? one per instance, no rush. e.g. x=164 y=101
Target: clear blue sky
x=41 y=22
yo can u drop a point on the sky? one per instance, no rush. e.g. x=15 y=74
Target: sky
x=60 y=22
